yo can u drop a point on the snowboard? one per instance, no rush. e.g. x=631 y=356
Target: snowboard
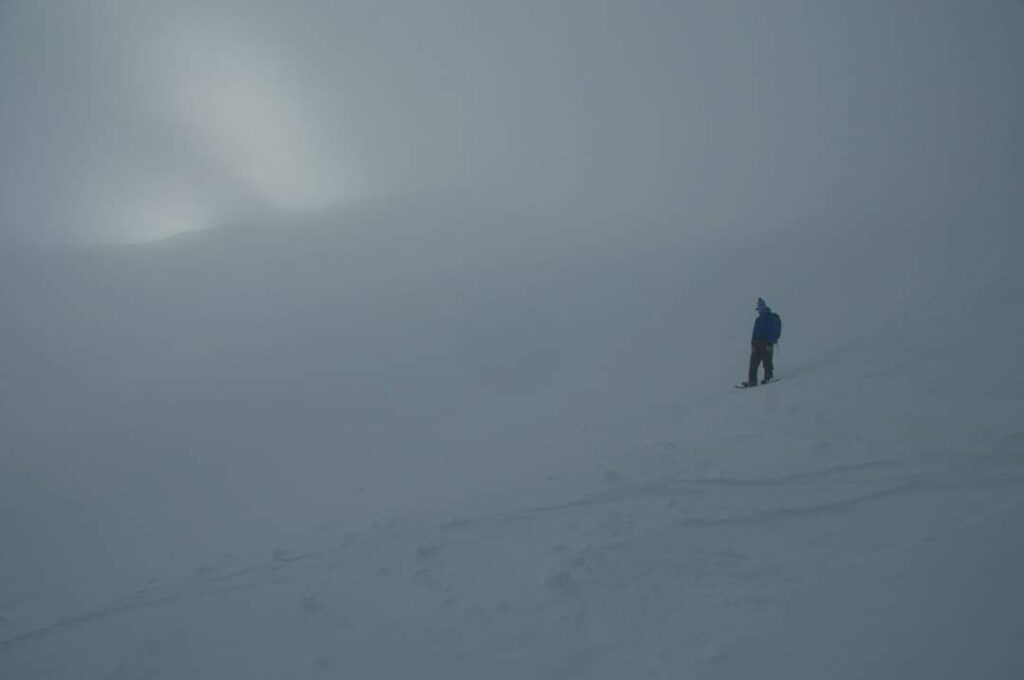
x=741 y=386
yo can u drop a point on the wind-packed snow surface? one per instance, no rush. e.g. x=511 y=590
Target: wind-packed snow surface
x=323 y=453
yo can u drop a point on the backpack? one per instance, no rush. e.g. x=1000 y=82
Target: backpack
x=776 y=327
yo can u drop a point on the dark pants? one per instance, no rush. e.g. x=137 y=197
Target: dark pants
x=760 y=352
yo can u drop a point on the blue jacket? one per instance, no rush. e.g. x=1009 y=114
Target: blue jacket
x=767 y=327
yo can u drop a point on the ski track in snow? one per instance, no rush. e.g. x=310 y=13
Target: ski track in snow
x=671 y=488
x=856 y=485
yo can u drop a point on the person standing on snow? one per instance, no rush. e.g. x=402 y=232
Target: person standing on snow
x=767 y=329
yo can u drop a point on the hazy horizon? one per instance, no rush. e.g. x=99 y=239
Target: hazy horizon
x=129 y=121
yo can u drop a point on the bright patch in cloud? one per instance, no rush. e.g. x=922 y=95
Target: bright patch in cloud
x=244 y=104
x=247 y=113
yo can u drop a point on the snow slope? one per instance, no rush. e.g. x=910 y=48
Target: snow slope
x=264 y=455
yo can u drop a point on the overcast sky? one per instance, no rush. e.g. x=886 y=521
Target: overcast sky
x=130 y=120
